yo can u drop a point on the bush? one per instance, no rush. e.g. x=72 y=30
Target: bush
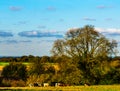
x=18 y=83
x=5 y=83
x=13 y=83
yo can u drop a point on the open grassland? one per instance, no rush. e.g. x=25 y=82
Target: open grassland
x=69 y=88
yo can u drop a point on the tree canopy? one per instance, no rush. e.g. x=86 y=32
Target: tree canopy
x=84 y=43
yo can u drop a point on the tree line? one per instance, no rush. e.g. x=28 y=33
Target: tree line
x=83 y=56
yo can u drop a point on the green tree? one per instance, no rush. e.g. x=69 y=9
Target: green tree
x=84 y=43
x=36 y=67
x=41 y=70
x=15 y=70
x=86 y=47
x=66 y=72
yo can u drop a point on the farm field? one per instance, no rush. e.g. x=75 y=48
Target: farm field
x=69 y=88
x=7 y=63
x=2 y=64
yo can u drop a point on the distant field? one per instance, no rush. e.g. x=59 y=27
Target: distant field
x=2 y=64
x=69 y=88
x=7 y=63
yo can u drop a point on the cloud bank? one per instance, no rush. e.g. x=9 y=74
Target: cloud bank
x=89 y=19
x=39 y=34
x=103 y=7
x=15 y=41
x=15 y=8
x=109 y=31
x=41 y=27
x=51 y=8
x=6 y=34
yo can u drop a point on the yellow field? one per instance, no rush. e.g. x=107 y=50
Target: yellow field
x=3 y=64
x=69 y=88
x=1 y=67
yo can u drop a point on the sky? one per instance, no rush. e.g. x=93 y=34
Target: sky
x=30 y=27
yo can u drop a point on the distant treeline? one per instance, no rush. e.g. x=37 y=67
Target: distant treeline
x=32 y=58
x=29 y=58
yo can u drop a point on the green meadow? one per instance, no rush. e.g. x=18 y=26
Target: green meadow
x=4 y=63
x=68 y=88
x=7 y=63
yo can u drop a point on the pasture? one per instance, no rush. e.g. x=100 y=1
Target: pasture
x=67 y=88
x=3 y=64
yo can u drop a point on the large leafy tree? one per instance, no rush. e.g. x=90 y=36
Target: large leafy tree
x=87 y=48
x=84 y=43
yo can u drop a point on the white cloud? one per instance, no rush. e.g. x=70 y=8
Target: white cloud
x=109 y=31
x=89 y=19
x=40 y=34
x=108 y=19
x=51 y=8
x=103 y=7
x=15 y=8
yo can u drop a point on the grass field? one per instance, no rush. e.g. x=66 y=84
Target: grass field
x=2 y=64
x=69 y=88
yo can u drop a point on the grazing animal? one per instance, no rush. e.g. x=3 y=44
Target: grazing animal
x=35 y=84
x=86 y=84
x=30 y=85
x=57 y=84
x=45 y=84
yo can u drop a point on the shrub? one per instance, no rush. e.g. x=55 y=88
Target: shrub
x=13 y=83
x=18 y=83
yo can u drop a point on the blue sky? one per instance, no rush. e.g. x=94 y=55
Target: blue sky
x=30 y=27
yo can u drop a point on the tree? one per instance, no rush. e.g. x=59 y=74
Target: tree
x=86 y=47
x=41 y=70
x=15 y=70
x=66 y=72
x=36 y=67
x=84 y=43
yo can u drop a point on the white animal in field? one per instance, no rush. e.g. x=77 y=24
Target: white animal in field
x=45 y=84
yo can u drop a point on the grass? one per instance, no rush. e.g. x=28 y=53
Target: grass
x=7 y=63
x=69 y=88
x=3 y=64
